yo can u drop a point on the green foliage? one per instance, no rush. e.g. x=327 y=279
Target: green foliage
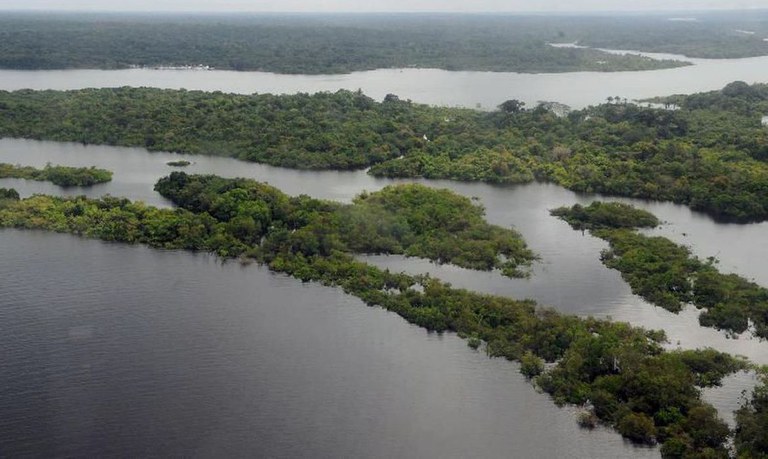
x=633 y=383
x=179 y=163
x=531 y=365
x=343 y=130
x=435 y=224
x=637 y=427
x=59 y=175
x=711 y=154
x=408 y=219
x=302 y=44
x=666 y=274
x=605 y=215
x=9 y=194
x=751 y=437
x=114 y=219
x=485 y=165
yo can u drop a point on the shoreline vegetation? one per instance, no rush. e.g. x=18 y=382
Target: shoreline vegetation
x=667 y=274
x=710 y=154
x=621 y=374
x=63 y=176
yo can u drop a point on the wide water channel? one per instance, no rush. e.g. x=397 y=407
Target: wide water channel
x=120 y=340
x=483 y=90
x=112 y=350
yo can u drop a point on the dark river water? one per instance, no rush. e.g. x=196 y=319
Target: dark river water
x=113 y=350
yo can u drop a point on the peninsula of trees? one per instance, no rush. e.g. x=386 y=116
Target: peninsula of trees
x=58 y=175
x=667 y=274
x=709 y=154
x=629 y=381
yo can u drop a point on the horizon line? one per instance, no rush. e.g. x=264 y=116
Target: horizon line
x=243 y=11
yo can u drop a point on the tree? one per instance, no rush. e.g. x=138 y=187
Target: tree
x=638 y=427
x=9 y=193
x=512 y=106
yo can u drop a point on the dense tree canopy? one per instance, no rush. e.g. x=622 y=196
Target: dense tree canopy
x=606 y=215
x=711 y=154
x=344 y=130
x=406 y=219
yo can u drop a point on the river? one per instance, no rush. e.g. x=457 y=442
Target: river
x=431 y=86
x=118 y=351
x=569 y=276
x=173 y=353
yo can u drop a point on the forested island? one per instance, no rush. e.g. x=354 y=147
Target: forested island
x=710 y=153
x=319 y=44
x=621 y=374
x=667 y=274
x=58 y=175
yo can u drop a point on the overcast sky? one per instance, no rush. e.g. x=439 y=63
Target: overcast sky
x=380 y=5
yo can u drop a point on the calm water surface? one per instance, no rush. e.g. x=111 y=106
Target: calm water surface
x=173 y=354
x=440 y=87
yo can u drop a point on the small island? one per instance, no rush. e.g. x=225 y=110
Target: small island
x=179 y=163
x=64 y=176
x=601 y=215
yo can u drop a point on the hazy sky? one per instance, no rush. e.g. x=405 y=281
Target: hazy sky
x=380 y=5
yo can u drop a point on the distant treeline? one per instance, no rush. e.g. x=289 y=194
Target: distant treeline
x=307 y=44
x=709 y=154
x=621 y=374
